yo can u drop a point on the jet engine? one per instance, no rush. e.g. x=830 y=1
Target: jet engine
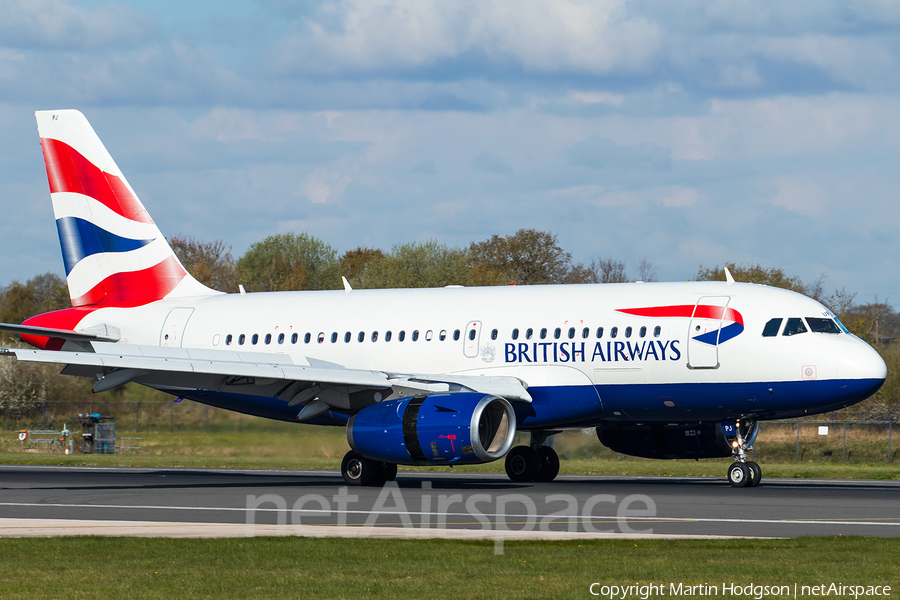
x=698 y=440
x=460 y=428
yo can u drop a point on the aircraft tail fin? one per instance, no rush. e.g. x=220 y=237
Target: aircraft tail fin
x=113 y=252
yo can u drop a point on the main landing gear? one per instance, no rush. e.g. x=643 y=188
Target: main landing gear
x=743 y=472
x=359 y=470
x=534 y=462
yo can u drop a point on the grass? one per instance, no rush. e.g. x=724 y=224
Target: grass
x=288 y=567
x=192 y=435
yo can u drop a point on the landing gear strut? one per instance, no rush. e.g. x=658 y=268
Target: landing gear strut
x=359 y=470
x=534 y=462
x=743 y=472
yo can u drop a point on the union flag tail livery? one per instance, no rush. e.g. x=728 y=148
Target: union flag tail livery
x=443 y=376
x=114 y=254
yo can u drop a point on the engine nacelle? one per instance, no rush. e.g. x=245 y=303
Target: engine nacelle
x=700 y=440
x=463 y=428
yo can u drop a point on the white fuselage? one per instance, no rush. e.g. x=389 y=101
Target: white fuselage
x=652 y=369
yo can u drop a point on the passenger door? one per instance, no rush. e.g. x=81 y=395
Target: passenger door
x=703 y=334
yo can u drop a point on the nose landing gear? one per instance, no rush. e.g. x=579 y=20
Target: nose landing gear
x=741 y=435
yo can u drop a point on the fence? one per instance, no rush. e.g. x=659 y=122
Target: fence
x=802 y=440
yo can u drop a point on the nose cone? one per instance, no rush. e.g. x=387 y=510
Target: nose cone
x=861 y=362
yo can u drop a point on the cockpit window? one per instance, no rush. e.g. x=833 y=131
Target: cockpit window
x=841 y=325
x=794 y=326
x=821 y=325
x=772 y=327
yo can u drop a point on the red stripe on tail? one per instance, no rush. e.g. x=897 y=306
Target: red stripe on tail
x=69 y=171
x=134 y=288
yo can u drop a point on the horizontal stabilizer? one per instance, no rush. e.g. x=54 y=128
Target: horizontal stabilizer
x=64 y=334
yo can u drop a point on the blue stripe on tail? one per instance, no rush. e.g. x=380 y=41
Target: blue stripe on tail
x=79 y=238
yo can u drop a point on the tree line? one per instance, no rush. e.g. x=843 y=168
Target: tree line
x=299 y=261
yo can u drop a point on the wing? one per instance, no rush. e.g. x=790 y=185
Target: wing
x=314 y=386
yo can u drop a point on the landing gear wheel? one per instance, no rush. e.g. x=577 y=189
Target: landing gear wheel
x=739 y=475
x=755 y=473
x=522 y=464
x=549 y=464
x=359 y=470
x=389 y=472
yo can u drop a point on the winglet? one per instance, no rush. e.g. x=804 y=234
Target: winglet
x=728 y=276
x=347 y=287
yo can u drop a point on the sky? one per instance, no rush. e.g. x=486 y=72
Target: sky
x=685 y=134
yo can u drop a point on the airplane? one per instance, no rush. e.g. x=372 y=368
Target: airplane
x=439 y=376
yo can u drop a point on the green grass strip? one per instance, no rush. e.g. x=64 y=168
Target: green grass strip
x=289 y=567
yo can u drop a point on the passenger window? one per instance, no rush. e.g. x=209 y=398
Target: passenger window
x=442 y=335
x=543 y=333
x=820 y=325
x=613 y=332
x=334 y=337
x=493 y=334
x=643 y=332
x=255 y=339
x=599 y=332
x=295 y=337
x=585 y=333
x=571 y=333
x=515 y=334
x=556 y=333
x=228 y=340
x=472 y=334
x=415 y=336
x=430 y=334
x=401 y=336
x=374 y=336
x=280 y=338
x=361 y=337
x=321 y=337
x=794 y=326
x=772 y=327
x=456 y=335
x=268 y=339
x=628 y=332
x=241 y=339
x=307 y=338
x=528 y=333
x=347 y=337
x=387 y=335
x=656 y=331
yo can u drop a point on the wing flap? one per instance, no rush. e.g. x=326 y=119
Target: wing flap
x=177 y=360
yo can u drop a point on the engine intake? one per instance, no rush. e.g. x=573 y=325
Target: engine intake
x=698 y=440
x=463 y=428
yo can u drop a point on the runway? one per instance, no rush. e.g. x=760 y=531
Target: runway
x=39 y=500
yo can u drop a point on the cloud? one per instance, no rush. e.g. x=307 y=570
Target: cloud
x=602 y=153
x=426 y=167
x=531 y=35
x=325 y=186
x=490 y=163
x=54 y=24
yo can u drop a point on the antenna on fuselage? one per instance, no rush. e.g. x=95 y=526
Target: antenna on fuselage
x=347 y=287
x=728 y=278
